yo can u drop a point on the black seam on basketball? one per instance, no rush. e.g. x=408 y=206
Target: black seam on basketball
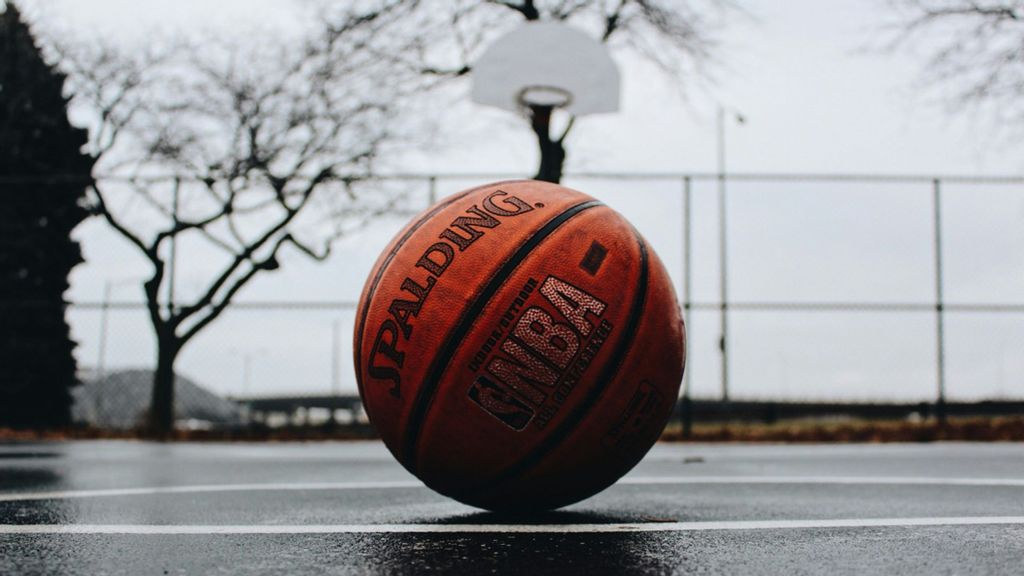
x=425 y=394
x=580 y=412
x=387 y=262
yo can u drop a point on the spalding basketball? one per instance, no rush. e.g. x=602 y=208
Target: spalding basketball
x=519 y=346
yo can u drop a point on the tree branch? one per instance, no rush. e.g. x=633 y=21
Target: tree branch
x=612 y=21
x=270 y=262
x=526 y=8
x=246 y=255
x=103 y=210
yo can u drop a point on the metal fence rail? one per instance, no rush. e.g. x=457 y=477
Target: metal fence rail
x=698 y=200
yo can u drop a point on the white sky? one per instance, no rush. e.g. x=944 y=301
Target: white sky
x=815 y=101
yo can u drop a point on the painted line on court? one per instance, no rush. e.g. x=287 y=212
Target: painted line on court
x=340 y=486
x=196 y=489
x=851 y=480
x=194 y=529
x=396 y=484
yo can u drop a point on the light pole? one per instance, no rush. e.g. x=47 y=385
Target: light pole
x=247 y=358
x=246 y=373
x=723 y=259
x=101 y=355
x=243 y=400
x=335 y=367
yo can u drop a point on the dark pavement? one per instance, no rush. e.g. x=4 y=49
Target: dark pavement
x=140 y=508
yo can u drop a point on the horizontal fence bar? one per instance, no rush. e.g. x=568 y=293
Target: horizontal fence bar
x=648 y=176
x=739 y=306
x=858 y=307
x=311 y=305
x=425 y=177
x=798 y=177
x=818 y=306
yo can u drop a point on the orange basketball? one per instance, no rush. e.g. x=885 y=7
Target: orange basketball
x=519 y=346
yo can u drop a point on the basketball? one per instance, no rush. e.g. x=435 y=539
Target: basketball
x=519 y=346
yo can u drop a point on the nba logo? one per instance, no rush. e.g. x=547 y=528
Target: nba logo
x=500 y=403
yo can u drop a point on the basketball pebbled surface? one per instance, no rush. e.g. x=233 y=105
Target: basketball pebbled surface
x=519 y=346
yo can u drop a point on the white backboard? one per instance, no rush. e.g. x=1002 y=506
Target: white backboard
x=547 y=55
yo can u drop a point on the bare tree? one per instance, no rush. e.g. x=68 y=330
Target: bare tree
x=679 y=36
x=975 y=50
x=239 y=150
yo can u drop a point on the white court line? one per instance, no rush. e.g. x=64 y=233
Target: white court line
x=892 y=480
x=637 y=480
x=339 y=486
x=154 y=490
x=149 y=529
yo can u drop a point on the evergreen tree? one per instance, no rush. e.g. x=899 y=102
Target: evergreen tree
x=43 y=178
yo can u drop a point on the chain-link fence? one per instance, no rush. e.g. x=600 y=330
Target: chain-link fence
x=795 y=288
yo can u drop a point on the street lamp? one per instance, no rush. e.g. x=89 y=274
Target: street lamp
x=247 y=356
x=101 y=356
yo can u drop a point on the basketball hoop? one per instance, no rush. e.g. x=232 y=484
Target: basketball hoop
x=542 y=67
x=544 y=96
x=547 y=65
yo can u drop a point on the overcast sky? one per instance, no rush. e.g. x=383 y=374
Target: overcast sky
x=817 y=99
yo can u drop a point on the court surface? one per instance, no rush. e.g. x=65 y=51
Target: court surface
x=349 y=508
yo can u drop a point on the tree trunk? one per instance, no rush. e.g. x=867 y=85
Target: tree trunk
x=552 y=152
x=161 y=407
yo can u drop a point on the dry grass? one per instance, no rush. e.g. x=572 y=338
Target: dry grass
x=242 y=435
x=994 y=429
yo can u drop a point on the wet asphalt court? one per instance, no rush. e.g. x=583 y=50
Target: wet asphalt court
x=348 y=508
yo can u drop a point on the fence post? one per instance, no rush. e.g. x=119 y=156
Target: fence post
x=173 y=260
x=432 y=190
x=687 y=406
x=101 y=360
x=335 y=368
x=940 y=336
x=723 y=284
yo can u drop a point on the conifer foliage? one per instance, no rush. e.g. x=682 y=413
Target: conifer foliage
x=43 y=178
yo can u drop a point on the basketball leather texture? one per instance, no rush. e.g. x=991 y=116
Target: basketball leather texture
x=519 y=346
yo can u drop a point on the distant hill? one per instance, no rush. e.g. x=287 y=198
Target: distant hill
x=121 y=398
